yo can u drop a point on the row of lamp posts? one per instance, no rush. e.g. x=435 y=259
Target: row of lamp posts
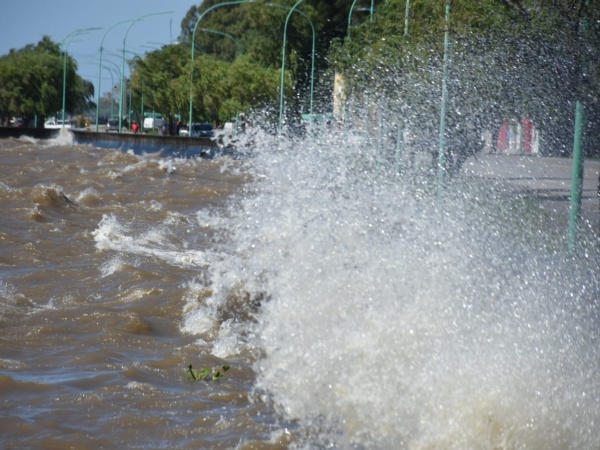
x=576 y=198
x=65 y=43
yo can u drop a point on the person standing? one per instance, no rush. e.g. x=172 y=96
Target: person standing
x=503 y=137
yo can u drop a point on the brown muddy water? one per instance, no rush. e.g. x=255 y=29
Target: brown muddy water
x=352 y=311
x=99 y=249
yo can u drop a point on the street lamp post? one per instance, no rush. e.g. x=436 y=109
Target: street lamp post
x=100 y=69
x=442 y=130
x=237 y=2
x=312 y=68
x=406 y=17
x=64 y=45
x=372 y=9
x=287 y=19
x=121 y=93
x=130 y=104
x=112 y=80
x=113 y=76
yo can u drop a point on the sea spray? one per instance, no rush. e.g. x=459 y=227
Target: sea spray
x=386 y=321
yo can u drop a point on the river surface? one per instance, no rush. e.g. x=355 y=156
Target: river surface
x=350 y=311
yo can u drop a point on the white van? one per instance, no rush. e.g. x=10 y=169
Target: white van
x=153 y=123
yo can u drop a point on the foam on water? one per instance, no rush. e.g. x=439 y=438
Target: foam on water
x=65 y=137
x=384 y=326
x=113 y=235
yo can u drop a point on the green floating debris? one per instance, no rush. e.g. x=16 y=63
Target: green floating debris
x=191 y=373
x=204 y=374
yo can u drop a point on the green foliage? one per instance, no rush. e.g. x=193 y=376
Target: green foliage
x=221 y=89
x=31 y=82
x=507 y=59
x=205 y=374
x=259 y=27
x=163 y=77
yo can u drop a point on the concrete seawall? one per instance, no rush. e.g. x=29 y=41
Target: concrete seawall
x=181 y=147
x=36 y=133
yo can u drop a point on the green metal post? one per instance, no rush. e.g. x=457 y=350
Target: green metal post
x=371 y=11
x=117 y=74
x=64 y=88
x=350 y=16
x=112 y=80
x=283 y=63
x=406 y=17
x=312 y=65
x=100 y=70
x=442 y=131
x=577 y=171
x=142 y=111
x=577 y=176
x=379 y=157
x=130 y=106
x=65 y=43
x=122 y=92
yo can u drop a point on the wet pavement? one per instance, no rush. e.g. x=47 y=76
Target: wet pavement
x=544 y=178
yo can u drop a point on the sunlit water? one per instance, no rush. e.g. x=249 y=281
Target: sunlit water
x=353 y=311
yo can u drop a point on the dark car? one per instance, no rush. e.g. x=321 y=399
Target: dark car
x=112 y=125
x=201 y=130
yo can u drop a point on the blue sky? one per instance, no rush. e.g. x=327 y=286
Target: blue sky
x=26 y=22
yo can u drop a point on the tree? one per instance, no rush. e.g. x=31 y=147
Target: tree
x=163 y=77
x=508 y=59
x=31 y=82
x=259 y=27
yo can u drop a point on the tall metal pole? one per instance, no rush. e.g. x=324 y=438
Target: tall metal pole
x=350 y=16
x=100 y=69
x=121 y=93
x=112 y=89
x=442 y=132
x=64 y=45
x=577 y=171
x=112 y=80
x=371 y=12
x=406 y=17
x=130 y=105
x=577 y=176
x=314 y=40
x=237 y=2
x=287 y=19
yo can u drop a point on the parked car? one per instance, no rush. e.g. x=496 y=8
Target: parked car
x=57 y=123
x=19 y=123
x=202 y=130
x=112 y=125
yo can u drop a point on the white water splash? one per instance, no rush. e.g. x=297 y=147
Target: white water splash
x=384 y=327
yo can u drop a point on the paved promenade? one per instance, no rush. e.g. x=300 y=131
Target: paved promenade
x=543 y=178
